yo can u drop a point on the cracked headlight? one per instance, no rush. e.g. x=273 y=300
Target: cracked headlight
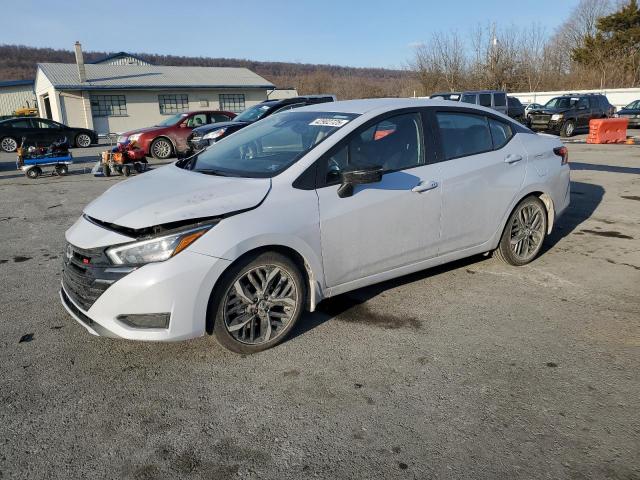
x=156 y=249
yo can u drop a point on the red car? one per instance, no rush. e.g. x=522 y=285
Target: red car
x=169 y=137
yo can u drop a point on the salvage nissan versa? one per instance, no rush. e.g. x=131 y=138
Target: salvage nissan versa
x=239 y=240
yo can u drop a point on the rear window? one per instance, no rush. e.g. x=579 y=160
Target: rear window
x=463 y=134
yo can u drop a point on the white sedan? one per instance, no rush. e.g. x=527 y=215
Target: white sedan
x=241 y=239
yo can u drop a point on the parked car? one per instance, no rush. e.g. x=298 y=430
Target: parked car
x=632 y=113
x=495 y=99
x=169 y=137
x=41 y=132
x=332 y=197
x=452 y=96
x=515 y=109
x=202 y=137
x=569 y=113
x=529 y=107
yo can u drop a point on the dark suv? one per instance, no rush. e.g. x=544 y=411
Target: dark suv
x=567 y=113
x=201 y=137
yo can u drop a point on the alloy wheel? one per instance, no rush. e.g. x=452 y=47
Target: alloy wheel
x=8 y=144
x=260 y=304
x=161 y=149
x=83 y=140
x=527 y=231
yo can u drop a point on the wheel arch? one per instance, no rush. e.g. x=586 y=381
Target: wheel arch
x=310 y=280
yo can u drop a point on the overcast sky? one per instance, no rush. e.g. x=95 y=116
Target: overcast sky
x=363 y=33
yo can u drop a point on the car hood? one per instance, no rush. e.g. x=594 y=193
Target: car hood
x=143 y=130
x=550 y=111
x=215 y=126
x=171 y=194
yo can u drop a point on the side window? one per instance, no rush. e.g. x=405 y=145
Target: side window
x=197 y=120
x=583 y=103
x=463 y=134
x=501 y=133
x=500 y=99
x=393 y=144
x=45 y=124
x=469 y=98
x=22 y=123
x=485 y=99
x=219 y=117
x=291 y=106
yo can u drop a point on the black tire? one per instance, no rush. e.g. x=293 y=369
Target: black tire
x=118 y=169
x=33 y=173
x=568 y=128
x=8 y=144
x=126 y=170
x=137 y=167
x=161 y=148
x=61 y=169
x=106 y=169
x=522 y=252
x=224 y=296
x=82 y=140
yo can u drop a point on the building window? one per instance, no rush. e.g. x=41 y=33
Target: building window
x=108 y=105
x=170 y=104
x=232 y=102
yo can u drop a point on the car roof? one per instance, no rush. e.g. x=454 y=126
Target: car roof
x=383 y=104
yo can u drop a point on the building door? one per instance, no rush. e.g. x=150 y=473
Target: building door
x=47 y=107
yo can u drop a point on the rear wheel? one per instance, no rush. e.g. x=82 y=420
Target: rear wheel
x=524 y=233
x=83 y=140
x=568 y=128
x=61 y=169
x=258 y=302
x=8 y=144
x=161 y=148
x=106 y=169
x=126 y=170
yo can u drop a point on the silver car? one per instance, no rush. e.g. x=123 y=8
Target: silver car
x=241 y=239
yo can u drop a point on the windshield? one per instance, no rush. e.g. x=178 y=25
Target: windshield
x=562 y=102
x=172 y=120
x=633 y=105
x=270 y=146
x=252 y=114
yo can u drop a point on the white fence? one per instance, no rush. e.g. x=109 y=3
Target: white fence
x=619 y=97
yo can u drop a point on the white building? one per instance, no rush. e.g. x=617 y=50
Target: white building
x=118 y=97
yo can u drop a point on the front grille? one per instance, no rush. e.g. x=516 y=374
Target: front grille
x=540 y=118
x=87 y=274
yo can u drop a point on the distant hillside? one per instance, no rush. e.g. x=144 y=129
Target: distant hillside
x=18 y=62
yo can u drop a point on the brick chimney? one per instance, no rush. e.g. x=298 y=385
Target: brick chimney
x=80 y=63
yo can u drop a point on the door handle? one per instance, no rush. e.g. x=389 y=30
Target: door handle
x=425 y=186
x=512 y=158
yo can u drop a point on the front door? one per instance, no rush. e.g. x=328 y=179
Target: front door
x=482 y=172
x=384 y=225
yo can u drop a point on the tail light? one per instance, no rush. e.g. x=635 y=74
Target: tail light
x=562 y=152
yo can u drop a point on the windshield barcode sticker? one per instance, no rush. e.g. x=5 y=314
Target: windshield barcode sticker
x=329 y=122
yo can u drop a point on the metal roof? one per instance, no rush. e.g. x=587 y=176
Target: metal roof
x=64 y=76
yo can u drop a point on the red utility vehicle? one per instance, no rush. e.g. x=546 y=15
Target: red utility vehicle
x=169 y=137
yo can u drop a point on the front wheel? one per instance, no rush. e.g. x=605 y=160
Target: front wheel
x=258 y=302
x=161 y=148
x=524 y=233
x=33 y=173
x=568 y=128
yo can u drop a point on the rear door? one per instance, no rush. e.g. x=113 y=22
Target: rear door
x=384 y=225
x=48 y=131
x=482 y=170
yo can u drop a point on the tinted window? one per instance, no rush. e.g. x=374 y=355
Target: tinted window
x=485 y=99
x=219 y=117
x=463 y=134
x=393 y=144
x=500 y=99
x=45 y=124
x=22 y=123
x=501 y=133
x=514 y=101
x=469 y=98
x=583 y=103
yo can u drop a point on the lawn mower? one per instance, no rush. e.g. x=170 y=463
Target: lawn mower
x=123 y=159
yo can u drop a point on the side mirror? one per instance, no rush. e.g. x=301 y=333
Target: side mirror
x=371 y=174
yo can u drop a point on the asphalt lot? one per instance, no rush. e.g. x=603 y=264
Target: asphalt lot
x=476 y=370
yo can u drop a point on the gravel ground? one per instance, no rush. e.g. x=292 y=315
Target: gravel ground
x=475 y=370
